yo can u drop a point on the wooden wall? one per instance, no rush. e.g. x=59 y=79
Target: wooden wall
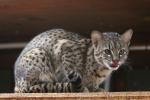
x=22 y=19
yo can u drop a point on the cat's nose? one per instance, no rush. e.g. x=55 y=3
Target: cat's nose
x=115 y=61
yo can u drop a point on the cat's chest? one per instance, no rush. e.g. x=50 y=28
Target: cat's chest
x=97 y=76
x=102 y=72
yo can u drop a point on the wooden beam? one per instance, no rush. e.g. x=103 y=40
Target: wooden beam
x=78 y=96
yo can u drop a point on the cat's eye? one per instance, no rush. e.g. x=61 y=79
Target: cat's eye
x=122 y=52
x=107 y=51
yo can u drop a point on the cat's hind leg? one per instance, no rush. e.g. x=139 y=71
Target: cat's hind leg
x=31 y=68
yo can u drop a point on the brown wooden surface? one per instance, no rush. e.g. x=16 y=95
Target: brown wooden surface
x=79 y=96
x=20 y=20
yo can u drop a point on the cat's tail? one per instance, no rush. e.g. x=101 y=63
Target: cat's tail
x=56 y=87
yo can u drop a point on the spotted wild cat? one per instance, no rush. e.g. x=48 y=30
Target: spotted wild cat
x=62 y=61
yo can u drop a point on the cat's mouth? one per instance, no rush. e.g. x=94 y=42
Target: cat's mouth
x=112 y=65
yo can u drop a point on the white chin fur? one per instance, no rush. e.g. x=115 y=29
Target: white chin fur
x=116 y=68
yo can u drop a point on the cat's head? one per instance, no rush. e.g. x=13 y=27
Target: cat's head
x=110 y=48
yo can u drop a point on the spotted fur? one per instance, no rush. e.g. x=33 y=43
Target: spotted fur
x=62 y=61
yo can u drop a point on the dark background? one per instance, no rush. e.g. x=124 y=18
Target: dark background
x=21 y=20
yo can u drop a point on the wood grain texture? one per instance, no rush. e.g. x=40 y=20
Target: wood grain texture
x=20 y=20
x=78 y=96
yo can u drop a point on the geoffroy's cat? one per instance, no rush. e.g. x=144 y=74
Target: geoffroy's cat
x=61 y=61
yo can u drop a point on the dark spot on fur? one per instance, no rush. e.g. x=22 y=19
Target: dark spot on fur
x=50 y=36
x=89 y=60
x=36 y=54
x=59 y=36
x=34 y=64
x=55 y=34
x=37 y=60
x=47 y=64
x=56 y=47
x=46 y=39
x=41 y=53
x=43 y=59
x=51 y=50
x=58 y=53
x=33 y=58
x=30 y=64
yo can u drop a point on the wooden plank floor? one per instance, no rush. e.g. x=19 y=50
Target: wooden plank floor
x=78 y=96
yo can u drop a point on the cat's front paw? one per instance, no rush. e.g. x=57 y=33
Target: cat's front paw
x=85 y=90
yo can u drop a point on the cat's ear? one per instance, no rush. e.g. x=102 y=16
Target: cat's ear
x=127 y=35
x=96 y=37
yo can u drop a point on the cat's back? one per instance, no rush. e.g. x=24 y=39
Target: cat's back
x=48 y=39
